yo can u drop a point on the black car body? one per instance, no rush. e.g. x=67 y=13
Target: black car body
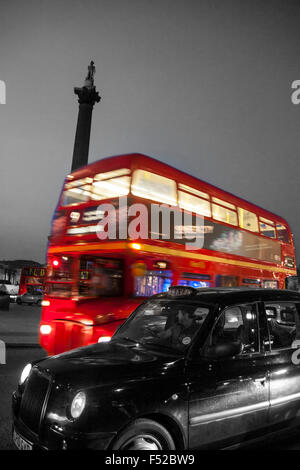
x=236 y=379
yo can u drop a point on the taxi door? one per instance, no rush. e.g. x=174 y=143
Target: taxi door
x=229 y=396
x=284 y=362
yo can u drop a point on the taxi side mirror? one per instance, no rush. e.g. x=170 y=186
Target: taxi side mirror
x=223 y=349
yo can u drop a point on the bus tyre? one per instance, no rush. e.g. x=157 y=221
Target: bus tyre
x=19 y=301
x=144 y=434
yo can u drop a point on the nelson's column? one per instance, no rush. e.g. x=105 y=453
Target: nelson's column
x=87 y=97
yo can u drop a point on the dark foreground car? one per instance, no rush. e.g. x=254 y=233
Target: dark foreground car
x=189 y=369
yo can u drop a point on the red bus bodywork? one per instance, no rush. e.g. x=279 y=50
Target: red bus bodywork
x=71 y=319
x=32 y=278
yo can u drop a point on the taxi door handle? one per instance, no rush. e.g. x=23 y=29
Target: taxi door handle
x=261 y=380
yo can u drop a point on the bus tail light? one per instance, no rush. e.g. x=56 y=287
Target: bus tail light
x=45 y=303
x=45 y=329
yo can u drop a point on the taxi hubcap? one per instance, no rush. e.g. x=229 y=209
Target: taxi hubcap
x=142 y=442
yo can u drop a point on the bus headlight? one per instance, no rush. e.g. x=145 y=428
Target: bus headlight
x=104 y=339
x=25 y=373
x=45 y=329
x=78 y=404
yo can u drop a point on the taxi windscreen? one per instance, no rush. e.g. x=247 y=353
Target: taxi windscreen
x=164 y=324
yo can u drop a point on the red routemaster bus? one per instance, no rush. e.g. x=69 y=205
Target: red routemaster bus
x=94 y=283
x=32 y=279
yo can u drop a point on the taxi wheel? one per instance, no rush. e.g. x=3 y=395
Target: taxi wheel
x=144 y=434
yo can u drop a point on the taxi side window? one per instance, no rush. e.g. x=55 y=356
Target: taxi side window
x=238 y=324
x=283 y=323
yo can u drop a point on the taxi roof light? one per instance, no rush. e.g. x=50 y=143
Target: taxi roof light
x=182 y=290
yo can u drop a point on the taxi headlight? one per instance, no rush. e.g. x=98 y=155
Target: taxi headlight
x=25 y=373
x=78 y=404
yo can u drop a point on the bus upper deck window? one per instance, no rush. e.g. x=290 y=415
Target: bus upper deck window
x=248 y=220
x=155 y=187
x=194 y=204
x=225 y=212
x=267 y=227
x=113 y=187
x=282 y=233
x=77 y=191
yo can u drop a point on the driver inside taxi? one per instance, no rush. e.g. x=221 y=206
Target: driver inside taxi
x=182 y=330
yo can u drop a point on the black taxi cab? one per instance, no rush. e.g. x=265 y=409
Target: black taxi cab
x=189 y=369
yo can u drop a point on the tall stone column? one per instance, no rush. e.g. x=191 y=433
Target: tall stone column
x=87 y=97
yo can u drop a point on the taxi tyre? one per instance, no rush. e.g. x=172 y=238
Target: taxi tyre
x=144 y=434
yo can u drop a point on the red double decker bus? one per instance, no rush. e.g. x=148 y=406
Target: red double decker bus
x=94 y=283
x=32 y=279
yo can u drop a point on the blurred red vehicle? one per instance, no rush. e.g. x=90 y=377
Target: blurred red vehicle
x=32 y=279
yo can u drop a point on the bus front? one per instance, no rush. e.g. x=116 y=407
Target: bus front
x=89 y=281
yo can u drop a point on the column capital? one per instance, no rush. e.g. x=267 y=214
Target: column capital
x=87 y=95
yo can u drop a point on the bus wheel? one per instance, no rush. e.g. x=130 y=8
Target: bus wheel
x=19 y=301
x=144 y=434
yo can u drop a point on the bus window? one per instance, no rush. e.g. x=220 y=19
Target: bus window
x=195 y=280
x=192 y=283
x=292 y=283
x=270 y=284
x=59 y=289
x=77 y=191
x=267 y=228
x=251 y=282
x=224 y=214
x=111 y=174
x=282 y=233
x=59 y=269
x=154 y=187
x=248 y=220
x=191 y=190
x=114 y=187
x=226 y=281
x=100 y=277
x=153 y=282
x=59 y=277
x=194 y=204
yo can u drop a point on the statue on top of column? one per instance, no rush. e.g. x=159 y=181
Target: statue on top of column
x=89 y=81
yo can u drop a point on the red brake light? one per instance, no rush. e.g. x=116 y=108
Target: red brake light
x=55 y=263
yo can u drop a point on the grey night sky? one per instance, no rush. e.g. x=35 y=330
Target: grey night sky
x=203 y=85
